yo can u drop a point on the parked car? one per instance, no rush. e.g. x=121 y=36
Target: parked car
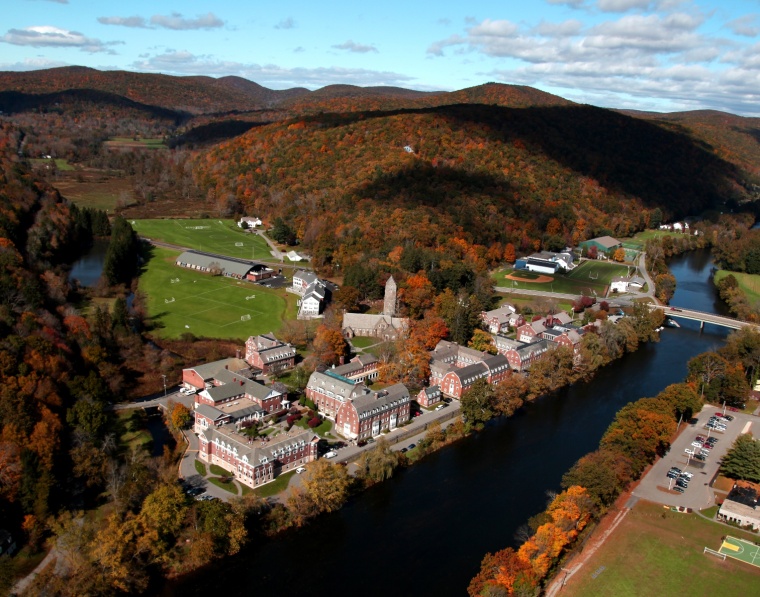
x=195 y=491
x=300 y=470
x=403 y=450
x=728 y=417
x=679 y=489
x=696 y=444
x=700 y=457
x=331 y=454
x=411 y=446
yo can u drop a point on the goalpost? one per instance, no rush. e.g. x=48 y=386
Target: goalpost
x=715 y=553
x=246 y=317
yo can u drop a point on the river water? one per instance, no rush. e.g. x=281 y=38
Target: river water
x=425 y=531
x=87 y=269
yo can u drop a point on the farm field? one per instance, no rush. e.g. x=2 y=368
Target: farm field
x=222 y=237
x=749 y=284
x=185 y=301
x=60 y=164
x=658 y=552
x=129 y=142
x=88 y=189
x=590 y=278
x=640 y=238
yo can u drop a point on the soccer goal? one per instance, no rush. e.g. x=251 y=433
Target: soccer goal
x=238 y=244
x=171 y=300
x=246 y=317
x=593 y=275
x=251 y=296
x=714 y=553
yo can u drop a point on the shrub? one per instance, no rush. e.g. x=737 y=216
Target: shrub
x=314 y=422
x=292 y=419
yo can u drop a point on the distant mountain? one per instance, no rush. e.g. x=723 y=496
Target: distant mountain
x=359 y=184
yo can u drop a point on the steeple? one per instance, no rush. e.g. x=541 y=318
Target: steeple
x=389 y=305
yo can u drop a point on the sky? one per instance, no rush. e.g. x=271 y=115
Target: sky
x=659 y=55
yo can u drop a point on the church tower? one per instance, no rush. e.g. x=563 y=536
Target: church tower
x=389 y=305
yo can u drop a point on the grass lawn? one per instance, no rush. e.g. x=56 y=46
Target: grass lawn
x=60 y=164
x=273 y=488
x=88 y=189
x=523 y=301
x=205 y=305
x=749 y=284
x=218 y=470
x=127 y=142
x=222 y=237
x=364 y=341
x=601 y=271
x=231 y=487
x=576 y=282
x=322 y=430
x=200 y=467
x=133 y=433
x=658 y=552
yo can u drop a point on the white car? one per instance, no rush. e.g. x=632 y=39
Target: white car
x=696 y=444
x=300 y=470
x=331 y=454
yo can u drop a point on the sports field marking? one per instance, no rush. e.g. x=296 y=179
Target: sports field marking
x=742 y=550
x=539 y=280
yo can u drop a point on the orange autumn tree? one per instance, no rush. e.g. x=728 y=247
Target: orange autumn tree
x=525 y=568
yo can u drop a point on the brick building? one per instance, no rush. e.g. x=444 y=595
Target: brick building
x=267 y=353
x=329 y=391
x=256 y=462
x=372 y=412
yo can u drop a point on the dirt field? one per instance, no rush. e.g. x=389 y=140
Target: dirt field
x=539 y=279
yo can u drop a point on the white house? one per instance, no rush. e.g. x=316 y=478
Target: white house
x=249 y=222
x=619 y=284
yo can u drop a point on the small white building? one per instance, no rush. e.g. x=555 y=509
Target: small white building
x=740 y=514
x=249 y=222
x=619 y=284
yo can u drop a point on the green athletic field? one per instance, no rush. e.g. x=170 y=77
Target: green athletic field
x=749 y=284
x=222 y=237
x=588 y=278
x=739 y=549
x=180 y=300
x=600 y=272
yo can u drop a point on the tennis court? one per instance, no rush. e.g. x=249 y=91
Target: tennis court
x=739 y=549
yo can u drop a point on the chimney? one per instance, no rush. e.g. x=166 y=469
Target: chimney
x=241 y=382
x=237 y=353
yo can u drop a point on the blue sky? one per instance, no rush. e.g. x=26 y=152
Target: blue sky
x=662 y=55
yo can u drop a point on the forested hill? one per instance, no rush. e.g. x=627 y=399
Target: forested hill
x=490 y=175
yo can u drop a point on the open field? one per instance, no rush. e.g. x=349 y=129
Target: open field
x=205 y=305
x=222 y=237
x=94 y=190
x=536 y=302
x=601 y=272
x=658 y=552
x=749 y=284
x=640 y=238
x=590 y=277
x=60 y=164
x=130 y=143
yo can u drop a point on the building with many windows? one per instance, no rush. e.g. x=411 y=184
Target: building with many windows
x=267 y=353
x=373 y=412
x=255 y=462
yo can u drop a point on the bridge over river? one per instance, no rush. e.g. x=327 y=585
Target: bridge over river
x=702 y=317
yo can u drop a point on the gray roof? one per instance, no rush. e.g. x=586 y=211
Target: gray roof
x=225 y=391
x=208 y=370
x=226 y=264
x=346 y=389
x=233 y=385
x=637 y=280
x=433 y=390
x=209 y=411
x=270 y=348
x=470 y=373
x=528 y=350
x=307 y=276
x=354 y=365
x=504 y=343
x=606 y=241
x=386 y=398
x=369 y=321
x=256 y=451
x=496 y=362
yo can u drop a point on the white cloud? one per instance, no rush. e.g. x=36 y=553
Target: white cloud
x=47 y=36
x=568 y=28
x=124 y=21
x=186 y=63
x=623 y=5
x=288 y=23
x=31 y=64
x=746 y=26
x=177 y=22
x=357 y=48
x=569 y=3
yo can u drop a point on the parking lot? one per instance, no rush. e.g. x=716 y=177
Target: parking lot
x=655 y=484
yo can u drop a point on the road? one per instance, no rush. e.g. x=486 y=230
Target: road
x=699 y=495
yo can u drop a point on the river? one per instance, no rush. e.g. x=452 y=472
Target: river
x=425 y=531
x=87 y=269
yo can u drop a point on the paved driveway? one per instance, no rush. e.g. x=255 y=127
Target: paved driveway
x=699 y=495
